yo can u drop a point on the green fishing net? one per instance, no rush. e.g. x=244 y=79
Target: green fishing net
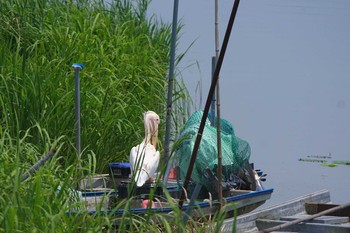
x=235 y=151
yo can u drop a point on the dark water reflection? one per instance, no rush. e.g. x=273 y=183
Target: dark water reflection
x=285 y=84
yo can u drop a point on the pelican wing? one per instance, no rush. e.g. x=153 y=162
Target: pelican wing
x=152 y=161
x=136 y=159
x=143 y=163
x=133 y=158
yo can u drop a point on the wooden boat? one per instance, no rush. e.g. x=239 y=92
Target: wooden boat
x=244 y=202
x=302 y=214
x=101 y=197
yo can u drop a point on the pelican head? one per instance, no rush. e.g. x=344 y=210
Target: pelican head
x=151 y=121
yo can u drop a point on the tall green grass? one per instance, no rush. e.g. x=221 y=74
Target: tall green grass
x=126 y=54
x=38 y=204
x=46 y=201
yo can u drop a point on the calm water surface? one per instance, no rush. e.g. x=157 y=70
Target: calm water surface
x=285 y=84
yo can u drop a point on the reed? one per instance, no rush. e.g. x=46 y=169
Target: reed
x=125 y=53
x=126 y=59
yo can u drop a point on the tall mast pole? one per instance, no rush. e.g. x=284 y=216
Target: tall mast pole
x=170 y=92
x=218 y=124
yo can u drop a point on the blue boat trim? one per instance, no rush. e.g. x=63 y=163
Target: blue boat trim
x=99 y=193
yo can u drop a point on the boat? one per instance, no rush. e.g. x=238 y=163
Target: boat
x=242 y=202
x=101 y=196
x=308 y=213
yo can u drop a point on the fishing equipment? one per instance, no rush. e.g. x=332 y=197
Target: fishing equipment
x=235 y=151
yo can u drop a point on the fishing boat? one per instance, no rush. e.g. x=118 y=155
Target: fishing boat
x=101 y=196
x=311 y=212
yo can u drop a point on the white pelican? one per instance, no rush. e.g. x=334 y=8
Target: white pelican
x=144 y=158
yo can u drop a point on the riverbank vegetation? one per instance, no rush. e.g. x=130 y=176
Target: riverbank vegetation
x=126 y=58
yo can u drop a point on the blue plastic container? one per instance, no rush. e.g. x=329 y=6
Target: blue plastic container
x=119 y=170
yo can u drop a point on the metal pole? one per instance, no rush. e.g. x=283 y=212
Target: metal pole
x=77 y=67
x=170 y=92
x=207 y=105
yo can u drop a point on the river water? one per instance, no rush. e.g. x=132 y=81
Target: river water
x=285 y=84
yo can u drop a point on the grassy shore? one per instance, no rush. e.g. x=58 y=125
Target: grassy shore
x=126 y=56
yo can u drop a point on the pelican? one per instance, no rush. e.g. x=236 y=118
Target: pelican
x=144 y=158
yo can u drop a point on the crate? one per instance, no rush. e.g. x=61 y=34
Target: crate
x=141 y=192
x=119 y=172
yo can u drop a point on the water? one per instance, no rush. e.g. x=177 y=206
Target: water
x=285 y=84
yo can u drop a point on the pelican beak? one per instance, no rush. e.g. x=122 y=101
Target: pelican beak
x=154 y=131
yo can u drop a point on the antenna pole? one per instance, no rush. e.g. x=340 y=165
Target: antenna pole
x=218 y=123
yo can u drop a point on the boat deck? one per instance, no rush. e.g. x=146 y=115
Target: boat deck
x=294 y=215
x=318 y=225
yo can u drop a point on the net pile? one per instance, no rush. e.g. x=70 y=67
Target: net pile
x=235 y=151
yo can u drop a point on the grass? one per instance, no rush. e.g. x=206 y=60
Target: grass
x=126 y=56
x=41 y=202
